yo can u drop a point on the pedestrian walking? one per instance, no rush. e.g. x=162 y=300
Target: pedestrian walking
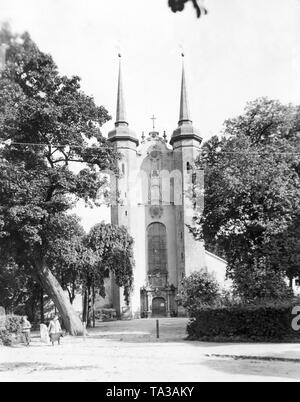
x=26 y=327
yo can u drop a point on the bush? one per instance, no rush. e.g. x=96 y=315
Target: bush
x=198 y=290
x=13 y=324
x=269 y=322
x=6 y=338
x=10 y=328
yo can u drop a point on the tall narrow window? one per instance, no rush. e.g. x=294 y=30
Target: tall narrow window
x=157 y=248
x=123 y=168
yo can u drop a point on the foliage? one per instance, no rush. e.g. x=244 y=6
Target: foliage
x=38 y=185
x=198 y=290
x=12 y=325
x=14 y=284
x=267 y=322
x=285 y=247
x=65 y=251
x=5 y=338
x=252 y=198
x=112 y=248
x=20 y=293
x=260 y=282
x=178 y=5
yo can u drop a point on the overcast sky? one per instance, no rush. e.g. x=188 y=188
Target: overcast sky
x=241 y=50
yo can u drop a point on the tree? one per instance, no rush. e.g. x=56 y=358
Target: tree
x=13 y=285
x=109 y=252
x=252 y=197
x=65 y=250
x=41 y=107
x=20 y=293
x=285 y=247
x=198 y=290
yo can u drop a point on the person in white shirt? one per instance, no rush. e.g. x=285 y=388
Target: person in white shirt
x=26 y=326
x=54 y=330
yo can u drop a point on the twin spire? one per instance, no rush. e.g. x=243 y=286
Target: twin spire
x=184 y=113
x=121 y=111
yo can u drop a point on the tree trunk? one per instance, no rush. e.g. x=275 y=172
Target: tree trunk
x=93 y=301
x=42 y=305
x=89 y=307
x=61 y=301
x=85 y=305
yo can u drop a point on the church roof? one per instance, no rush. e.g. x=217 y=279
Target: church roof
x=216 y=257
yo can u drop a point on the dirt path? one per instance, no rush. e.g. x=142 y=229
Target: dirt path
x=129 y=351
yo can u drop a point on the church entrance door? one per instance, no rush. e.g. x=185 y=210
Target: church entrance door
x=159 y=308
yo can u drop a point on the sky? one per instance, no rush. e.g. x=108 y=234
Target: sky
x=241 y=50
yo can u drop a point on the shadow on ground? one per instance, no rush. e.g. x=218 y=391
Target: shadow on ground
x=32 y=366
x=255 y=368
x=139 y=331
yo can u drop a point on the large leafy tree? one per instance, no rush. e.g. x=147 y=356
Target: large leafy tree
x=37 y=186
x=252 y=197
x=109 y=252
x=66 y=251
x=83 y=262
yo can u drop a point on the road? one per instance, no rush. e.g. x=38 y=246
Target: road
x=129 y=351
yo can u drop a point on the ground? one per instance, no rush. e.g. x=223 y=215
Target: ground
x=129 y=351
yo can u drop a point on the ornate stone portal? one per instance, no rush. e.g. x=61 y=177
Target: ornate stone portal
x=158 y=301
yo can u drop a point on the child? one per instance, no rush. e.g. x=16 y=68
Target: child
x=26 y=326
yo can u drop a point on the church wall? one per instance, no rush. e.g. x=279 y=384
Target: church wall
x=121 y=213
x=185 y=152
x=137 y=230
x=217 y=266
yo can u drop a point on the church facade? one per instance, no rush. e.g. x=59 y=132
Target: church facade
x=155 y=201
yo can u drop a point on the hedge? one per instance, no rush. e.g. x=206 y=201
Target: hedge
x=244 y=323
x=10 y=329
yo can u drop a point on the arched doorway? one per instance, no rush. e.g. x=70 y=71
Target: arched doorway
x=159 y=307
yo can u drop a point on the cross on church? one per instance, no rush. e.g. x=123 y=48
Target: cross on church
x=153 y=118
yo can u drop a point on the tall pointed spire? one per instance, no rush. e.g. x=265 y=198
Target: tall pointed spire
x=121 y=131
x=184 y=114
x=185 y=130
x=121 y=111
